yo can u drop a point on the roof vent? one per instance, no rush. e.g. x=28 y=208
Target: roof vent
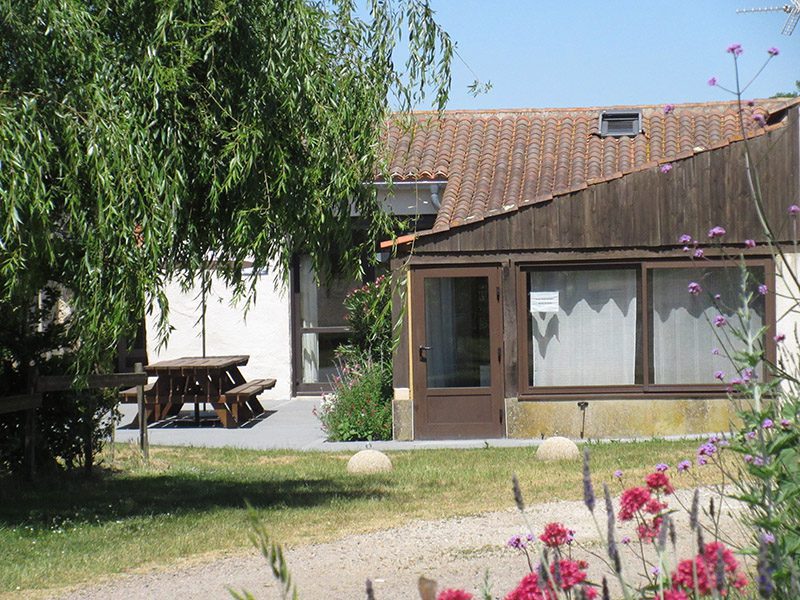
x=617 y=123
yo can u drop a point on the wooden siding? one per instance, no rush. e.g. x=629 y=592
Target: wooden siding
x=648 y=209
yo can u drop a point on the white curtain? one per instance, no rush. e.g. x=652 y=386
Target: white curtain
x=683 y=334
x=591 y=340
x=440 y=331
x=309 y=318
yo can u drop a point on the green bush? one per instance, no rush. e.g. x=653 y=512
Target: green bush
x=70 y=425
x=369 y=314
x=359 y=408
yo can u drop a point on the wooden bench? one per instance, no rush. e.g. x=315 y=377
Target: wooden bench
x=241 y=400
x=129 y=395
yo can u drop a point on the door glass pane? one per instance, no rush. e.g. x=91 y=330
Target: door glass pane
x=457 y=331
x=323 y=306
x=582 y=327
x=319 y=355
x=684 y=338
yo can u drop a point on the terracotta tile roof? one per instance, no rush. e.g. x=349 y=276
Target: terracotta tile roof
x=496 y=161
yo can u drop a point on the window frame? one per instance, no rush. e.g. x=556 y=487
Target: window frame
x=645 y=389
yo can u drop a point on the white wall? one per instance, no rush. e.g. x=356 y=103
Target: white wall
x=264 y=333
x=787 y=313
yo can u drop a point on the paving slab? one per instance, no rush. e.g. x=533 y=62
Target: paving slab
x=288 y=424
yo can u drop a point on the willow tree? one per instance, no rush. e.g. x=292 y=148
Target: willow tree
x=140 y=137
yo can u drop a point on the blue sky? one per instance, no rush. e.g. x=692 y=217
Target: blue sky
x=606 y=52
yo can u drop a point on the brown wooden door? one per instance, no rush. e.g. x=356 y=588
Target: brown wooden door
x=457 y=358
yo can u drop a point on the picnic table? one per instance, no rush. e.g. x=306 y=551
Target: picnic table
x=214 y=380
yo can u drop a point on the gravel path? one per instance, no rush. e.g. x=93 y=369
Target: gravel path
x=455 y=551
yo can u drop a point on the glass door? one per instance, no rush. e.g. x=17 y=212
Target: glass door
x=457 y=336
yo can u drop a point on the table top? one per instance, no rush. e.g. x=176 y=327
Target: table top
x=189 y=363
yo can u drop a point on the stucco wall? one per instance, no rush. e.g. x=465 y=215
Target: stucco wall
x=618 y=418
x=264 y=333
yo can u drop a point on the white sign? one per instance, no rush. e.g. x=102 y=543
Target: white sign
x=544 y=302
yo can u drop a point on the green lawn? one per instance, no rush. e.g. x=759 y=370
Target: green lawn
x=190 y=502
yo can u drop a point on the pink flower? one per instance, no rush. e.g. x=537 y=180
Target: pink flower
x=716 y=232
x=763 y=289
x=773 y=51
x=618 y=474
x=749 y=243
x=666 y=168
x=631 y=501
x=779 y=338
x=699 y=253
x=735 y=49
x=685 y=239
x=719 y=375
x=694 y=288
x=555 y=535
x=786 y=423
x=794 y=209
x=720 y=321
x=668 y=108
x=451 y=594
x=659 y=481
x=712 y=82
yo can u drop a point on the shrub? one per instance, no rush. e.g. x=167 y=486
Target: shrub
x=369 y=314
x=359 y=408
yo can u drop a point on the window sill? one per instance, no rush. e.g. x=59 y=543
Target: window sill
x=635 y=393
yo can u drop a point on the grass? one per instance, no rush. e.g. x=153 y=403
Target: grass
x=190 y=502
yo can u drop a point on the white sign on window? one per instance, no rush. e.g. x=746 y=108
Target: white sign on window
x=544 y=302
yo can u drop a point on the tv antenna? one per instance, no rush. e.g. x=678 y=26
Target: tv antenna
x=793 y=10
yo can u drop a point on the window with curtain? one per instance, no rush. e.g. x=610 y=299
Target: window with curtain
x=582 y=327
x=686 y=346
x=637 y=325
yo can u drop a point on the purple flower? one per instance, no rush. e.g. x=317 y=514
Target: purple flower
x=699 y=253
x=661 y=467
x=759 y=119
x=763 y=289
x=748 y=458
x=724 y=443
x=618 y=474
x=750 y=435
x=767 y=424
x=712 y=82
x=794 y=209
x=707 y=449
x=666 y=168
x=719 y=375
x=779 y=338
x=686 y=248
x=773 y=51
x=735 y=49
x=626 y=539
x=786 y=423
x=716 y=232
x=701 y=460
x=516 y=541
x=655 y=570
x=751 y=103
x=715 y=351
x=717 y=297
x=768 y=538
x=720 y=321
x=684 y=466
x=668 y=108
x=685 y=239
x=749 y=243
x=758 y=461
x=694 y=288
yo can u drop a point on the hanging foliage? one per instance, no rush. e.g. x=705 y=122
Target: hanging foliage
x=138 y=138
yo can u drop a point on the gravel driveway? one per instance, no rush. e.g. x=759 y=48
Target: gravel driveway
x=455 y=551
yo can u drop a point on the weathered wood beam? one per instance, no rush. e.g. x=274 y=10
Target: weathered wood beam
x=9 y=404
x=62 y=383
